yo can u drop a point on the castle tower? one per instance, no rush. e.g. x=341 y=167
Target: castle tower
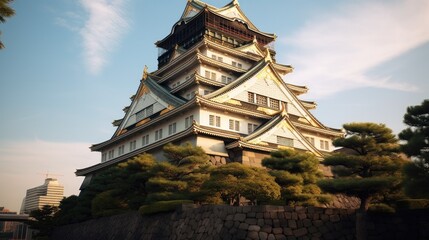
x=218 y=85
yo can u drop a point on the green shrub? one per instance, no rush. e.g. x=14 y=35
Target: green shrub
x=162 y=206
x=381 y=208
x=412 y=204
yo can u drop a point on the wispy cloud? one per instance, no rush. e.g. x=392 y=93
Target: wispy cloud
x=336 y=51
x=23 y=165
x=103 y=28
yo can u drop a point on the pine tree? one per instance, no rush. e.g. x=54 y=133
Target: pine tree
x=232 y=181
x=416 y=183
x=5 y=12
x=369 y=165
x=297 y=174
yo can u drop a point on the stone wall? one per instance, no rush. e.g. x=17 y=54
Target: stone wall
x=248 y=222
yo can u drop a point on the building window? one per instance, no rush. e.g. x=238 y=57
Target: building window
x=145 y=140
x=324 y=145
x=251 y=127
x=214 y=120
x=274 y=103
x=144 y=113
x=261 y=100
x=188 y=121
x=220 y=59
x=158 y=134
x=132 y=145
x=213 y=76
x=207 y=74
x=103 y=157
x=214 y=56
x=210 y=75
x=171 y=128
x=121 y=149
x=311 y=140
x=239 y=65
x=234 y=125
x=285 y=141
x=251 y=97
x=224 y=79
x=111 y=153
x=234 y=63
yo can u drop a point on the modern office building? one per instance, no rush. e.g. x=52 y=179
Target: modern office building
x=50 y=193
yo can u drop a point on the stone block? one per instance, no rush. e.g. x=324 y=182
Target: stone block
x=292 y=224
x=255 y=228
x=228 y=224
x=253 y=235
x=267 y=215
x=259 y=215
x=302 y=216
x=271 y=237
x=288 y=215
x=266 y=229
x=239 y=217
x=277 y=230
x=247 y=209
x=251 y=214
x=306 y=222
x=288 y=231
x=229 y=217
x=273 y=215
x=280 y=237
x=317 y=223
x=324 y=217
x=300 y=232
x=294 y=216
x=261 y=222
x=268 y=222
x=334 y=218
x=263 y=235
x=276 y=223
x=243 y=226
x=241 y=234
x=251 y=221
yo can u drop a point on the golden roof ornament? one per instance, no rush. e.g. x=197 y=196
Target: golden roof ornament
x=144 y=72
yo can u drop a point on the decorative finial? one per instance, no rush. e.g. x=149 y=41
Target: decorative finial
x=235 y=2
x=268 y=56
x=254 y=39
x=144 y=72
x=283 y=109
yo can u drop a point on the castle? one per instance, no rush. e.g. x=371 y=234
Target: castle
x=218 y=85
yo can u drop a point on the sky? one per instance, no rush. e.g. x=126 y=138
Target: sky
x=69 y=68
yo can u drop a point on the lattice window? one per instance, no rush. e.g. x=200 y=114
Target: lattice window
x=285 y=141
x=274 y=103
x=251 y=97
x=261 y=100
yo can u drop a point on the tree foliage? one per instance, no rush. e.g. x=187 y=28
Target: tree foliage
x=368 y=164
x=231 y=181
x=5 y=12
x=297 y=174
x=43 y=221
x=416 y=146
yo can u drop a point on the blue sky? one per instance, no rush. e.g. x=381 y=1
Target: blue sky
x=69 y=68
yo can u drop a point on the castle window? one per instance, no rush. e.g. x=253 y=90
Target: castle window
x=132 y=145
x=121 y=149
x=234 y=125
x=285 y=141
x=251 y=127
x=274 y=103
x=158 y=134
x=171 y=128
x=145 y=140
x=214 y=120
x=224 y=79
x=310 y=139
x=111 y=153
x=261 y=100
x=251 y=97
x=103 y=157
x=144 y=113
x=188 y=121
x=324 y=145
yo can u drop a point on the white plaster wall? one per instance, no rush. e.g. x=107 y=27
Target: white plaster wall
x=212 y=146
x=225 y=117
x=180 y=126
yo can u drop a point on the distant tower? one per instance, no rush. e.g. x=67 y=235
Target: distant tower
x=50 y=193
